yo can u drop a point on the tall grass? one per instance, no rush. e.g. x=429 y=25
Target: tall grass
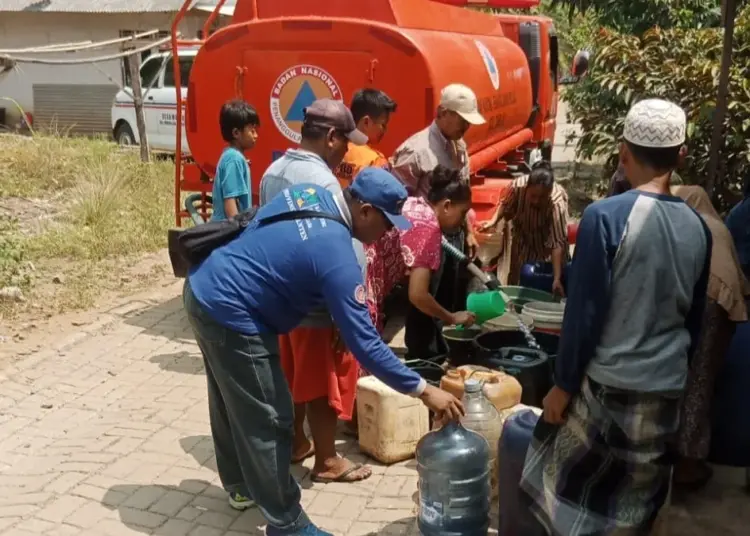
x=110 y=206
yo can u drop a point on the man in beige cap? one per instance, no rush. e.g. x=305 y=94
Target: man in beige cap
x=413 y=162
x=440 y=143
x=599 y=462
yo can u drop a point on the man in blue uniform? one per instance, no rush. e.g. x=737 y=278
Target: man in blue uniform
x=263 y=284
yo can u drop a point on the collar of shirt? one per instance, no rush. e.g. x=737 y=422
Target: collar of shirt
x=456 y=150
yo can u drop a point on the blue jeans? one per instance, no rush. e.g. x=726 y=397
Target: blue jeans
x=252 y=414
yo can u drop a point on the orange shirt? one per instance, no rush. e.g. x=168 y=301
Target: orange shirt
x=358 y=157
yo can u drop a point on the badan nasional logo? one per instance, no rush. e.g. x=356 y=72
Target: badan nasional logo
x=296 y=89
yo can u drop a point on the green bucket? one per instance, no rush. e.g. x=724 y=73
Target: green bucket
x=485 y=305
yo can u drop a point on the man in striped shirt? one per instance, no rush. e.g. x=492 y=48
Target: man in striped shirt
x=538 y=208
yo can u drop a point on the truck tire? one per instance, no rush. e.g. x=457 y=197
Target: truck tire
x=124 y=135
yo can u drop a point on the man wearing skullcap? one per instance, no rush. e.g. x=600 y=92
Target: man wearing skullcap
x=598 y=460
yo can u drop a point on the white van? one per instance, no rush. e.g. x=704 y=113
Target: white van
x=159 y=103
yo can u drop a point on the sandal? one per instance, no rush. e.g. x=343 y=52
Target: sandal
x=343 y=477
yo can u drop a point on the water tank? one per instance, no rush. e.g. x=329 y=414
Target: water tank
x=514 y=517
x=410 y=49
x=454 y=482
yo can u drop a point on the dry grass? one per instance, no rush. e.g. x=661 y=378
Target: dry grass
x=110 y=209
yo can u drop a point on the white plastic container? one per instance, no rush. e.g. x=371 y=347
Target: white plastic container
x=547 y=316
x=390 y=424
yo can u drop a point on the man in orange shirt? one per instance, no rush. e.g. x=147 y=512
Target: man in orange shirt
x=372 y=110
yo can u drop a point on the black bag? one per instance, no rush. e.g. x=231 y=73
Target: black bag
x=188 y=247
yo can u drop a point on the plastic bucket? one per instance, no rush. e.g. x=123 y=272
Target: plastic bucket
x=485 y=305
x=548 y=317
x=507 y=322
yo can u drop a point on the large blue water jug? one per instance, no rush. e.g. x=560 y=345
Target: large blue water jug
x=454 y=482
x=514 y=517
x=539 y=275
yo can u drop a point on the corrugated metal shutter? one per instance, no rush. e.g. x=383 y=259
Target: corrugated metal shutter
x=77 y=108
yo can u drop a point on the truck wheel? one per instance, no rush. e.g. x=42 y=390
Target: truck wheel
x=124 y=135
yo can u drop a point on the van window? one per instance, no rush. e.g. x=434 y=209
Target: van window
x=186 y=63
x=149 y=71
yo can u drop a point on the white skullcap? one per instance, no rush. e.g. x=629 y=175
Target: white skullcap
x=655 y=123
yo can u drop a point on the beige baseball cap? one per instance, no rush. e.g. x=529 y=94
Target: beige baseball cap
x=462 y=100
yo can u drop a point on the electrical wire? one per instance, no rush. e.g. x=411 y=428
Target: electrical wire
x=76 y=47
x=82 y=61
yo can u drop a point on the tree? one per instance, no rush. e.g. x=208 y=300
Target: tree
x=637 y=16
x=681 y=65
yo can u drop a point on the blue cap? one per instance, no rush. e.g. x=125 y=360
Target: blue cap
x=377 y=187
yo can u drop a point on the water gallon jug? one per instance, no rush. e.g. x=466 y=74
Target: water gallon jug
x=454 y=484
x=482 y=417
x=514 y=517
x=390 y=424
x=501 y=389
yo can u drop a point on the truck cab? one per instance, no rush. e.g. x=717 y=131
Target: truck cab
x=159 y=103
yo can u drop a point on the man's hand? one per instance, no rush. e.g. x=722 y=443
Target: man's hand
x=555 y=405
x=446 y=406
x=557 y=288
x=463 y=318
x=472 y=246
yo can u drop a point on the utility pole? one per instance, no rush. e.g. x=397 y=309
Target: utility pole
x=134 y=64
x=729 y=11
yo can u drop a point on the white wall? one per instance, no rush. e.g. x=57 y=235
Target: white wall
x=19 y=30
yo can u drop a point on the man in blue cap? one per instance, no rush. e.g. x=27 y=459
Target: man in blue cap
x=263 y=284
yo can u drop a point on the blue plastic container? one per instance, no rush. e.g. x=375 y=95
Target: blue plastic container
x=454 y=483
x=514 y=517
x=730 y=427
x=538 y=275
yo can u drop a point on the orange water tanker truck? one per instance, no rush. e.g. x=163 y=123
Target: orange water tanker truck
x=280 y=55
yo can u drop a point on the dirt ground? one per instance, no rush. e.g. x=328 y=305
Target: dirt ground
x=37 y=325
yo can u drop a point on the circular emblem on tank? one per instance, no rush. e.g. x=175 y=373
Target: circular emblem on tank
x=296 y=89
x=490 y=63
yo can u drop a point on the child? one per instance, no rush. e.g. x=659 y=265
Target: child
x=239 y=124
x=371 y=109
x=598 y=461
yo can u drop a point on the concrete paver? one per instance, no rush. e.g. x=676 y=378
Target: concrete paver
x=108 y=434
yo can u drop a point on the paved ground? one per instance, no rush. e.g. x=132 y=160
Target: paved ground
x=107 y=434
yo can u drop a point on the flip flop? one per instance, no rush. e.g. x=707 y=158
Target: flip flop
x=341 y=478
x=309 y=454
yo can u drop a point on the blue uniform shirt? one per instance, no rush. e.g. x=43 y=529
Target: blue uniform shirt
x=232 y=181
x=270 y=277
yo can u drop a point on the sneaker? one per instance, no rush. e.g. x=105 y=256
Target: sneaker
x=309 y=530
x=240 y=502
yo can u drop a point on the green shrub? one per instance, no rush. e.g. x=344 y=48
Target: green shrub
x=681 y=65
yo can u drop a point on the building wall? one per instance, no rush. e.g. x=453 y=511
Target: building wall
x=26 y=29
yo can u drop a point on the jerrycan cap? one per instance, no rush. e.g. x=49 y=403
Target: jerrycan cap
x=472 y=386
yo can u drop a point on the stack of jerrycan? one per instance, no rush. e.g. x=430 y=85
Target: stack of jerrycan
x=502 y=389
x=514 y=516
x=454 y=482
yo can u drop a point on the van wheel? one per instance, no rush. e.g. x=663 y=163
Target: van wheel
x=124 y=135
